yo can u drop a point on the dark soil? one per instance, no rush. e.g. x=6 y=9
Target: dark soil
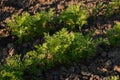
x=106 y=62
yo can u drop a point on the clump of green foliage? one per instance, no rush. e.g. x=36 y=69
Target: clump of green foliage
x=74 y=16
x=112 y=7
x=45 y=56
x=117 y=77
x=116 y=3
x=54 y=48
x=83 y=47
x=107 y=9
x=12 y=69
x=114 y=35
x=97 y=9
x=26 y=27
x=62 y=47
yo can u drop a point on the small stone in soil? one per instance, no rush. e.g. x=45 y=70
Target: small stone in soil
x=11 y=52
x=10 y=45
x=85 y=73
x=94 y=77
x=117 y=69
x=72 y=69
x=103 y=54
x=4 y=51
x=108 y=63
x=84 y=68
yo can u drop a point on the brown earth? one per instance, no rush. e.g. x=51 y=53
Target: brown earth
x=106 y=62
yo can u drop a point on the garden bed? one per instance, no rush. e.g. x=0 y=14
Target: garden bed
x=105 y=63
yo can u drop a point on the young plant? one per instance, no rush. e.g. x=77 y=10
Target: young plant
x=107 y=9
x=112 y=7
x=114 y=35
x=97 y=9
x=116 y=77
x=55 y=47
x=49 y=53
x=74 y=17
x=83 y=47
x=26 y=27
x=21 y=26
x=116 y=3
x=12 y=69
